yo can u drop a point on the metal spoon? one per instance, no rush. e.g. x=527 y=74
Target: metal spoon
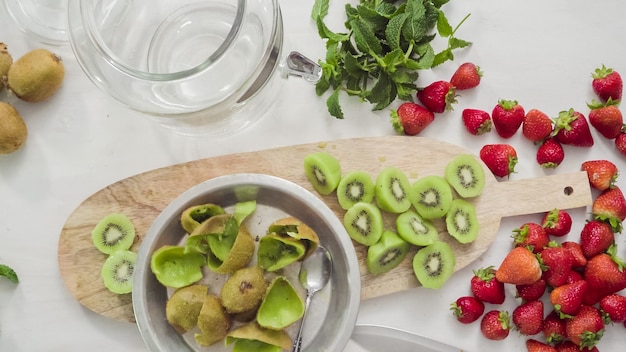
x=314 y=275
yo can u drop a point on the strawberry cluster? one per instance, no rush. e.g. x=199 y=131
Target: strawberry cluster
x=569 y=289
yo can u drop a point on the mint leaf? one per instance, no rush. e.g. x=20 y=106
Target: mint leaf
x=333 y=105
x=364 y=37
x=443 y=26
x=393 y=31
x=456 y=43
x=415 y=27
x=9 y=273
x=439 y=3
x=383 y=92
x=320 y=9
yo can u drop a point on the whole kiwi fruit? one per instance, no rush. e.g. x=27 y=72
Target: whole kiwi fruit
x=13 y=131
x=6 y=60
x=36 y=76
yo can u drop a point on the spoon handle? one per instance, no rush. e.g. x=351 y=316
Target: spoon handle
x=297 y=343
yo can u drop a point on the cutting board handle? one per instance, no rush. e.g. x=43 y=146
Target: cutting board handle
x=541 y=194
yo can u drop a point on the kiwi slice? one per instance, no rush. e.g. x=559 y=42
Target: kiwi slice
x=392 y=190
x=323 y=171
x=434 y=264
x=415 y=229
x=461 y=221
x=431 y=196
x=113 y=233
x=281 y=306
x=387 y=253
x=466 y=175
x=355 y=186
x=258 y=338
x=244 y=290
x=173 y=267
x=193 y=216
x=117 y=271
x=213 y=322
x=183 y=307
x=364 y=223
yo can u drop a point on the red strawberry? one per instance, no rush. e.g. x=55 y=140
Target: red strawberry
x=411 y=118
x=554 y=328
x=467 y=309
x=604 y=275
x=602 y=174
x=620 y=142
x=557 y=262
x=538 y=346
x=550 y=154
x=485 y=287
x=519 y=267
x=467 y=76
x=531 y=292
x=606 y=118
x=568 y=299
x=610 y=206
x=438 y=96
x=607 y=83
x=536 y=126
x=586 y=328
x=557 y=222
x=528 y=317
x=569 y=346
x=499 y=158
x=595 y=238
x=476 y=121
x=571 y=128
x=495 y=325
x=577 y=253
x=614 y=306
x=573 y=276
x=507 y=117
x=531 y=235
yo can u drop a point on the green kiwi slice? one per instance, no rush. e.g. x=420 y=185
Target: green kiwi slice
x=466 y=175
x=461 y=221
x=117 y=271
x=323 y=171
x=213 y=322
x=276 y=252
x=244 y=290
x=193 y=216
x=415 y=229
x=173 y=267
x=434 y=264
x=355 y=186
x=387 y=253
x=364 y=223
x=183 y=307
x=114 y=232
x=252 y=337
x=392 y=190
x=281 y=306
x=431 y=196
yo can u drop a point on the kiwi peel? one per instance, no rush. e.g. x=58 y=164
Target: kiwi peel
x=213 y=322
x=281 y=306
x=193 y=216
x=173 y=267
x=387 y=253
x=244 y=290
x=261 y=339
x=183 y=307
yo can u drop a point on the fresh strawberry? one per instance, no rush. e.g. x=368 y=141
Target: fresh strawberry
x=557 y=222
x=604 y=275
x=466 y=76
x=610 y=206
x=438 y=96
x=620 y=141
x=553 y=328
x=536 y=126
x=531 y=292
x=533 y=345
x=595 y=238
x=411 y=118
x=586 y=328
x=577 y=253
x=507 y=117
x=607 y=83
x=499 y=158
x=569 y=346
x=571 y=128
x=614 y=306
x=573 y=276
x=567 y=299
x=485 y=287
x=495 y=325
x=476 y=121
x=550 y=154
x=532 y=235
x=602 y=174
x=557 y=262
x=606 y=118
x=519 y=267
x=467 y=309
x=528 y=317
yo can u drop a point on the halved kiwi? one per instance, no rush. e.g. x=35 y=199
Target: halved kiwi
x=387 y=253
x=364 y=223
x=114 y=232
x=323 y=171
x=183 y=307
x=415 y=229
x=466 y=175
x=355 y=186
x=117 y=271
x=392 y=190
x=434 y=264
x=281 y=306
x=461 y=221
x=431 y=196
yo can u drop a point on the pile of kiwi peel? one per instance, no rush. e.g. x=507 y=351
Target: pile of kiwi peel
x=255 y=304
x=368 y=199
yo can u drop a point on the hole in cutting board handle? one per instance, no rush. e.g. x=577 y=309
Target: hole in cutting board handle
x=569 y=190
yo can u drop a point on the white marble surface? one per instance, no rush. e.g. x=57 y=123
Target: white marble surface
x=540 y=53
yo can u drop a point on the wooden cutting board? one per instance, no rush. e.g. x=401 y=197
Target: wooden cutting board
x=143 y=196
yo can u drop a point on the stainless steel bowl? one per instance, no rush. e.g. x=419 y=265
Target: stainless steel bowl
x=334 y=311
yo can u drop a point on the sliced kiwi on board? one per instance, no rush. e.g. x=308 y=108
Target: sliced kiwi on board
x=117 y=271
x=431 y=196
x=173 y=267
x=114 y=232
x=364 y=223
x=355 y=186
x=415 y=229
x=213 y=322
x=461 y=221
x=434 y=264
x=183 y=307
x=323 y=171
x=259 y=338
x=244 y=290
x=466 y=175
x=387 y=253
x=392 y=190
x=281 y=306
